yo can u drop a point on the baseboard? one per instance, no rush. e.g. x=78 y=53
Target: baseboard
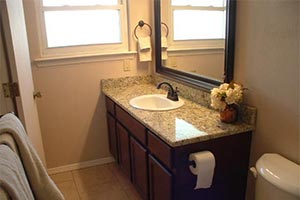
x=80 y=165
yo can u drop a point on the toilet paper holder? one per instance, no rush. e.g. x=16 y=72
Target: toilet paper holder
x=202 y=164
x=192 y=163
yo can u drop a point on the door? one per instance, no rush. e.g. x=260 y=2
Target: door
x=139 y=157
x=14 y=31
x=7 y=104
x=112 y=136
x=160 y=181
x=124 y=155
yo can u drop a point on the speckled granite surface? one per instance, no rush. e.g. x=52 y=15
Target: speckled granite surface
x=189 y=124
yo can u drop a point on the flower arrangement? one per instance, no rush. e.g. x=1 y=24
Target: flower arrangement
x=225 y=95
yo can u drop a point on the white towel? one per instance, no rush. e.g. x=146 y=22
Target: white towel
x=164 y=42
x=13 y=179
x=164 y=48
x=164 y=54
x=8 y=140
x=145 y=50
x=41 y=184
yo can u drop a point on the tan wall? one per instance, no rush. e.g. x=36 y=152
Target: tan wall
x=267 y=62
x=72 y=112
x=72 y=109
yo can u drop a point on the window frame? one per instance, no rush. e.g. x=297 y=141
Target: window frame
x=192 y=44
x=88 y=49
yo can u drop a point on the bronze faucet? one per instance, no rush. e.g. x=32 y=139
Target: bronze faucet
x=172 y=94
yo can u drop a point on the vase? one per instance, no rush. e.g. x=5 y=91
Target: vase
x=229 y=114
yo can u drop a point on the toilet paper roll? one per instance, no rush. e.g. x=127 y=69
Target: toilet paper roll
x=204 y=169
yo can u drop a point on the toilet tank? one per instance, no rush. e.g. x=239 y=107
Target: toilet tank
x=278 y=178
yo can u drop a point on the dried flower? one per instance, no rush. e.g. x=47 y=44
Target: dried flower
x=226 y=94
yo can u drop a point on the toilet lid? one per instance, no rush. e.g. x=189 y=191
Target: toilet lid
x=280 y=172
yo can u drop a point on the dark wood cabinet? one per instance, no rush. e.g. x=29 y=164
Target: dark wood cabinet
x=139 y=167
x=160 y=181
x=160 y=149
x=161 y=172
x=112 y=136
x=124 y=154
x=136 y=129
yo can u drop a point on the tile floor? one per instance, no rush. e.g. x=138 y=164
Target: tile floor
x=105 y=182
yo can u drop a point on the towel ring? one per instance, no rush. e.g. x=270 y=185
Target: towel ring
x=141 y=25
x=166 y=27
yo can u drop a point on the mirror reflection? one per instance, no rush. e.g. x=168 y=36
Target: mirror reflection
x=193 y=36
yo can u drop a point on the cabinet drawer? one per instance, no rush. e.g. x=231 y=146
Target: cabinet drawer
x=160 y=149
x=110 y=106
x=134 y=127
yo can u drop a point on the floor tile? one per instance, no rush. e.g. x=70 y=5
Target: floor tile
x=132 y=194
x=98 y=183
x=121 y=177
x=69 y=190
x=105 y=182
x=61 y=177
x=107 y=194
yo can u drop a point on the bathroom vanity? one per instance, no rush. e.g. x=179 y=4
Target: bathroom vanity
x=153 y=148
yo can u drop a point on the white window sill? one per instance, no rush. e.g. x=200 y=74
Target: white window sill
x=195 y=51
x=83 y=58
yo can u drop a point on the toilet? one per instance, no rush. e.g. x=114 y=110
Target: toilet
x=277 y=178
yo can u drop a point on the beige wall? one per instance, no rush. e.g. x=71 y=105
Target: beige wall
x=267 y=47
x=72 y=112
x=267 y=63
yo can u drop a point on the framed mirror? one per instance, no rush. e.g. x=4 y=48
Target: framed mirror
x=194 y=40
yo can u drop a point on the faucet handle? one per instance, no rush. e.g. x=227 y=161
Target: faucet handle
x=176 y=90
x=173 y=94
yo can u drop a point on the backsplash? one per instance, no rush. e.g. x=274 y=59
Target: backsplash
x=193 y=94
x=126 y=81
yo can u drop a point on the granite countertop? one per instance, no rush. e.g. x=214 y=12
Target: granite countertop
x=188 y=124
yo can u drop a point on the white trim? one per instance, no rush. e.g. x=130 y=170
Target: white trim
x=212 y=8
x=88 y=48
x=192 y=51
x=197 y=44
x=83 y=58
x=80 y=165
x=89 y=7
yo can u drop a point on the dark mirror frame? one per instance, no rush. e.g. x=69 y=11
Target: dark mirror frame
x=198 y=80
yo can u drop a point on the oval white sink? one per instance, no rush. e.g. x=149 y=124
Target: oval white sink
x=155 y=102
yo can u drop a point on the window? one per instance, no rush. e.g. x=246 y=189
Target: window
x=83 y=26
x=198 y=19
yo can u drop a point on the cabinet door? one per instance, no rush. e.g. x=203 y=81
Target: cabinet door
x=139 y=167
x=160 y=181
x=112 y=136
x=123 y=144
